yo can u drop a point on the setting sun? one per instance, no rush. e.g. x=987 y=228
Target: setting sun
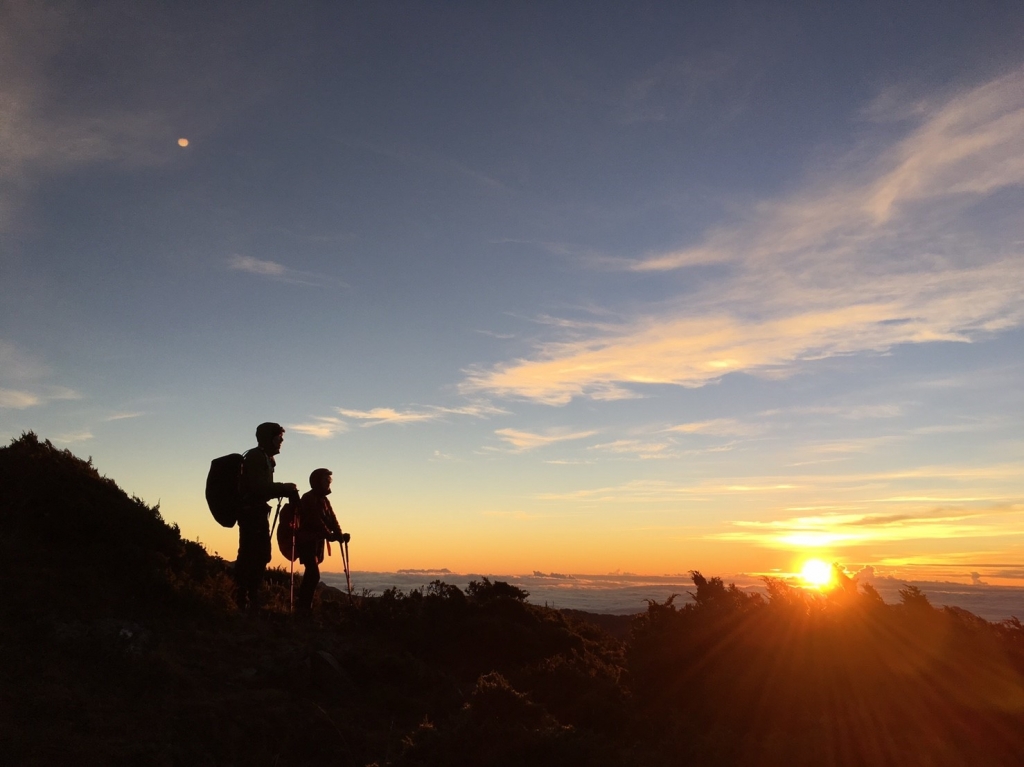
x=816 y=573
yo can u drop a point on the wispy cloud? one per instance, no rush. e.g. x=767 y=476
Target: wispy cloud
x=16 y=365
x=256 y=266
x=639 y=448
x=850 y=412
x=662 y=492
x=133 y=111
x=967 y=427
x=70 y=438
x=846 y=529
x=45 y=130
x=481 y=410
x=879 y=254
x=989 y=473
x=493 y=334
x=726 y=427
x=522 y=441
x=852 y=445
x=125 y=416
x=329 y=426
x=61 y=392
x=22 y=377
x=845 y=496
x=275 y=271
x=381 y=415
x=18 y=400
x=321 y=427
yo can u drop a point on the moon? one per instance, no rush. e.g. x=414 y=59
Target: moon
x=183 y=142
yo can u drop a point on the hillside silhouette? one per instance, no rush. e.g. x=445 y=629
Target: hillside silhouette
x=122 y=646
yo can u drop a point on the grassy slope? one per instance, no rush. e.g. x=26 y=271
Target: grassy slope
x=128 y=650
x=121 y=646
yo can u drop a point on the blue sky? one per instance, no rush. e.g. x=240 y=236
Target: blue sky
x=576 y=287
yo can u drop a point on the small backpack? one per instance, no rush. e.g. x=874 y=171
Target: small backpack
x=224 y=488
x=288 y=518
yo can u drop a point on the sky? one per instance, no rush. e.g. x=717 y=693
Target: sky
x=568 y=287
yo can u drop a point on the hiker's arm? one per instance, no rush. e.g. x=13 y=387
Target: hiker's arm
x=331 y=522
x=259 y=483
x=287 y=490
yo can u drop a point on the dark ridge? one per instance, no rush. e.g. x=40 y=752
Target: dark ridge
x=75 y=545
x=122 y=647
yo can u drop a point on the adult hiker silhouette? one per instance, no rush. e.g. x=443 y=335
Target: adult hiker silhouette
x=258 y=487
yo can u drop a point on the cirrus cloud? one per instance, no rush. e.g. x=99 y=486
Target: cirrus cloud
x=324 y=427
x=256 y=266
x=522 y=441
x=881 y=253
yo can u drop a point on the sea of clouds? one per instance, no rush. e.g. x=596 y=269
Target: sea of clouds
x=624 y=594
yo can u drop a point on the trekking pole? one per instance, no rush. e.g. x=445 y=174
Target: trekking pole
x=344 y=561
x=277 y=514
x=291 y=592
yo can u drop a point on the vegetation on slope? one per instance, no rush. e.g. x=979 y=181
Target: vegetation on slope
x=123 y=647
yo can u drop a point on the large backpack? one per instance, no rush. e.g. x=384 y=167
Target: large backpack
x=224 y=488
x=287 y=520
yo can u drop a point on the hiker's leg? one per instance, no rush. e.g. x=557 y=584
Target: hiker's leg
x=310 y=579
x=243 y=563
x=261 y=555
x=253 y=555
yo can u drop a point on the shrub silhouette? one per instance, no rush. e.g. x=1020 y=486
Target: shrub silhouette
x=485 y=591
x=502 y=727
x=839 y=678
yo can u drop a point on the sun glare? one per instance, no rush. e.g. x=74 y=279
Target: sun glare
x=816 y=573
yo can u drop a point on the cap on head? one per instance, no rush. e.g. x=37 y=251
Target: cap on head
x=318 y=475
x=267 y=431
